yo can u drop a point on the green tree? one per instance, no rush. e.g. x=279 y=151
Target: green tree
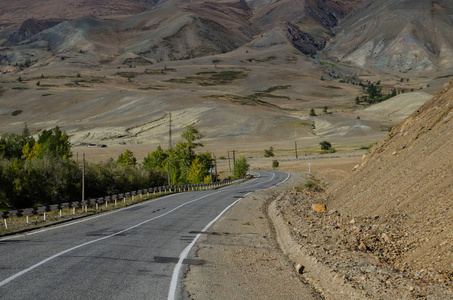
x=393 y=94
x=312 y=113
x=156 y=160
x=269 y=152
x=196 y=174
x=55 y=143
x=127 y=158
x=325 y=145
x=179 y=160
x=11 y=144
x=241 y=167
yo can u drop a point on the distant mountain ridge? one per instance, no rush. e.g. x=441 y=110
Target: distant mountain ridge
x=398 y=35
x=161 y=30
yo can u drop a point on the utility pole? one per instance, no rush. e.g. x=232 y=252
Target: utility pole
x=295 y=144
x=83 y=178
x=215 y=167
x=169 y=133
x=234 y=158
x=169 y=148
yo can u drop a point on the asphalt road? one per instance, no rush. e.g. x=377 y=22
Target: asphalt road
x=140 y=252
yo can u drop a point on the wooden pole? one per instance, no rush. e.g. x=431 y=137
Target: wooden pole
x=169 y=147
x=215 y=167
x=83 y=178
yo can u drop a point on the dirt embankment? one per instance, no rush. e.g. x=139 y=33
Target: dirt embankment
x=388 y=227
x=405 y=184
x=346 y=257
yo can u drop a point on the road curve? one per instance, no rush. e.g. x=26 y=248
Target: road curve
x=140 y=252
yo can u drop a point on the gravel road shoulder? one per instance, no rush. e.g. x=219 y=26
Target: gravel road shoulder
x=242 y=259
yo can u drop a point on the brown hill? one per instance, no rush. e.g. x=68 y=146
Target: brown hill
x=400 y=35
x=159 y=30
x=15 y=12
x=404 y=185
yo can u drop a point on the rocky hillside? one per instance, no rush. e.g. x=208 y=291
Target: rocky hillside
x=404 y=189
x=159 y=30
x=400 y=35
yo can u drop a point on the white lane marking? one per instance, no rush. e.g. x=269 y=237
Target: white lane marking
x=286 y=179
x=11 y=278
x=185 y=252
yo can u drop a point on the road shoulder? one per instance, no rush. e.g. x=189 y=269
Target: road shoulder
x=242 y=259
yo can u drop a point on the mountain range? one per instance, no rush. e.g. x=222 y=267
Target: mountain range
x=162 y=30
x=251 y=67
x=396 y=35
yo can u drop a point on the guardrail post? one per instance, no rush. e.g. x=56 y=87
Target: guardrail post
x=6 y=224
x=124 y=199
x=115 y=203
x=106 y=204
x=60 y=213
x=26 y=219
x=97 y=206
x=86 y=208
x=44 y=216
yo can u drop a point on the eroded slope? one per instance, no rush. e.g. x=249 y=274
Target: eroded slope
x=405 y=185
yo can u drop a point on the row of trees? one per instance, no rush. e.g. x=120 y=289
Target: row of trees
x=41 y=172
x=373 y=93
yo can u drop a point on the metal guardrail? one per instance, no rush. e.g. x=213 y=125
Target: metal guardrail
x=42 y=210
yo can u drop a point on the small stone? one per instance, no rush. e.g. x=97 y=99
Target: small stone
x=300 y=269
x=319 y=207
x=385 y=237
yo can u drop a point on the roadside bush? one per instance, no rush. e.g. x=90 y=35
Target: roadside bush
x=275 y=164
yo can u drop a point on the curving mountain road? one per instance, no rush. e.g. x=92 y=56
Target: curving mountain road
x=139 y=252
